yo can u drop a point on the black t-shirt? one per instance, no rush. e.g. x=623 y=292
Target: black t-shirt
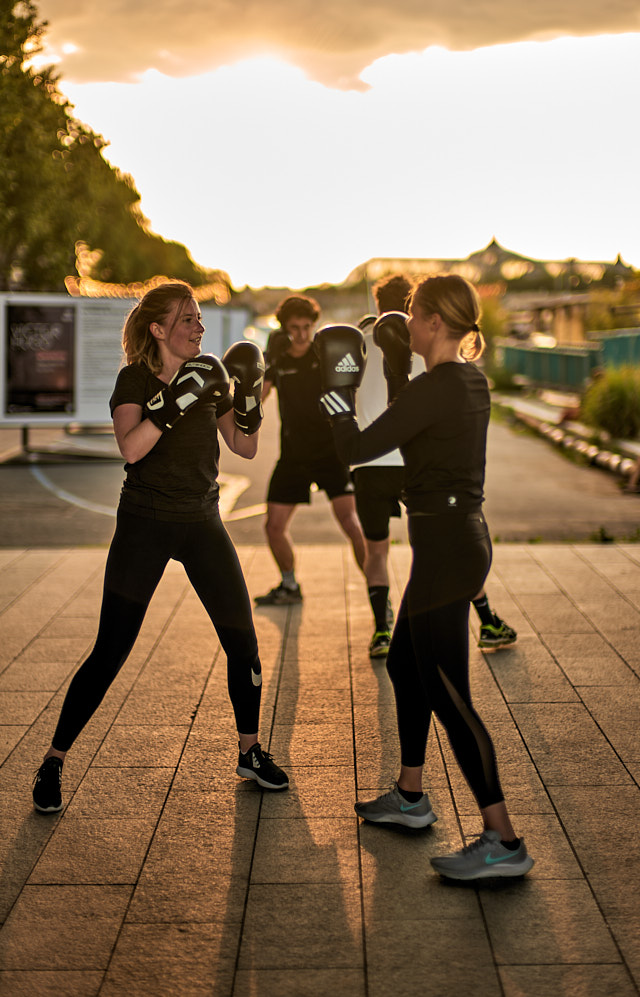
x=439 y=421
x=177 y=480
x=305 y=433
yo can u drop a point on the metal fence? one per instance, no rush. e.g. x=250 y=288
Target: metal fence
x=620 y=348
x=569 y=367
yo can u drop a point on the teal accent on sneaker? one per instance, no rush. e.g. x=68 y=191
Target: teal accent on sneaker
x=484 y=858
x=491 y=859
x=392 y=808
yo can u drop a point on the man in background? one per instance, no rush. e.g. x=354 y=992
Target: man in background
x=307 y=450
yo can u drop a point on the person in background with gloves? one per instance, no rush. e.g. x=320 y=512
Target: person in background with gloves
x=167 y=405
x=307 y=451
x=439 y=421
x=379 y=483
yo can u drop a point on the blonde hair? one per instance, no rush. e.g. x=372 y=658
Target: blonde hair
x=138 y=342
x=457 y=303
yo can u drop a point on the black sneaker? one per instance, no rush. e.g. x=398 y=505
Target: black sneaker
x=281 y=595
x=47 y=797
x=259 y=765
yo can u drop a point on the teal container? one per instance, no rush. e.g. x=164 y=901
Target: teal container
x=565 y=368
x=620 y=348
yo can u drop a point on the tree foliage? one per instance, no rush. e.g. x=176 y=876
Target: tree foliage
x=56 y=189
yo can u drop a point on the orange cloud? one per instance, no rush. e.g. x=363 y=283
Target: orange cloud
x=333 y=41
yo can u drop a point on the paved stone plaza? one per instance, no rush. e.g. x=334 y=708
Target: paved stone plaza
x=166 y=874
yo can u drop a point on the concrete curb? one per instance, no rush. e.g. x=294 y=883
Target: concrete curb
x=572 y=435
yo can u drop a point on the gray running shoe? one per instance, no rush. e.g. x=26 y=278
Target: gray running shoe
x=280 y=596
x=484 y=858
x=393 y=808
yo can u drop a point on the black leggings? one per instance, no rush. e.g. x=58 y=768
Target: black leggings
x=428 y=660
x=139 y=553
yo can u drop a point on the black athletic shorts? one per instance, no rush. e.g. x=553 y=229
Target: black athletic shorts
x=291 y=480
x=378 y=498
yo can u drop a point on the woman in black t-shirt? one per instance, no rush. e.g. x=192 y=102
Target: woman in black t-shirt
x=167 y=405
x=439 y=421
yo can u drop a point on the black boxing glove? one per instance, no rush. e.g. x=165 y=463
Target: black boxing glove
x=366 y=322
x=278 y=343
x=245 y=365
x=341 y=353
x=202 y=377
x=390 y=333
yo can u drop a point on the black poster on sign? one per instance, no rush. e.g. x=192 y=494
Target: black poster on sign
x=39 y=358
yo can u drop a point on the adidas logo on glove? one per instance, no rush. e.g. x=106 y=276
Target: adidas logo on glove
x=347 y=365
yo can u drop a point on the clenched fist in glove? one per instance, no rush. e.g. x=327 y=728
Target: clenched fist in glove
x=390 y=333
x=245 y=365
x=277 y=345
x=341 y=352
x=202 y=377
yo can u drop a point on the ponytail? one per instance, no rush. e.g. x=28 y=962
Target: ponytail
x=139 y=344
x=472 y=345
x=456 y=301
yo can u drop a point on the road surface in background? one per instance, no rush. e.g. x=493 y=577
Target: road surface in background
x=534 y=494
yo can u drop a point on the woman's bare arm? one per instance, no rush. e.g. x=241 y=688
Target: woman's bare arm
x=134 y=435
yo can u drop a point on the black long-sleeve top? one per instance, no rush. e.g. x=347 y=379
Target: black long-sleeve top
x=439 y=421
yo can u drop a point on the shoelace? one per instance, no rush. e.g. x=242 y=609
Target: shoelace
x=260 y=752
x=475 y=844
x=38 y=775
x=393 y=789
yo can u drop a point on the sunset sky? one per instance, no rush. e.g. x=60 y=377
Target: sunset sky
x=288 y=141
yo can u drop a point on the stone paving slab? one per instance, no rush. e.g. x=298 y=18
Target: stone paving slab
x=166 y=874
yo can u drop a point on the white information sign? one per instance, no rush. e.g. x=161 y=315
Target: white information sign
x=59 y=356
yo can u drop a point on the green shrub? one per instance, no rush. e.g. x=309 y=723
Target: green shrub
x=612 y=402
x=500 y=379
x=493 y=324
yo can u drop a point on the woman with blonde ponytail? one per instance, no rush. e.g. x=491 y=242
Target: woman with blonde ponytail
x=169 y=404
x=439 y=421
